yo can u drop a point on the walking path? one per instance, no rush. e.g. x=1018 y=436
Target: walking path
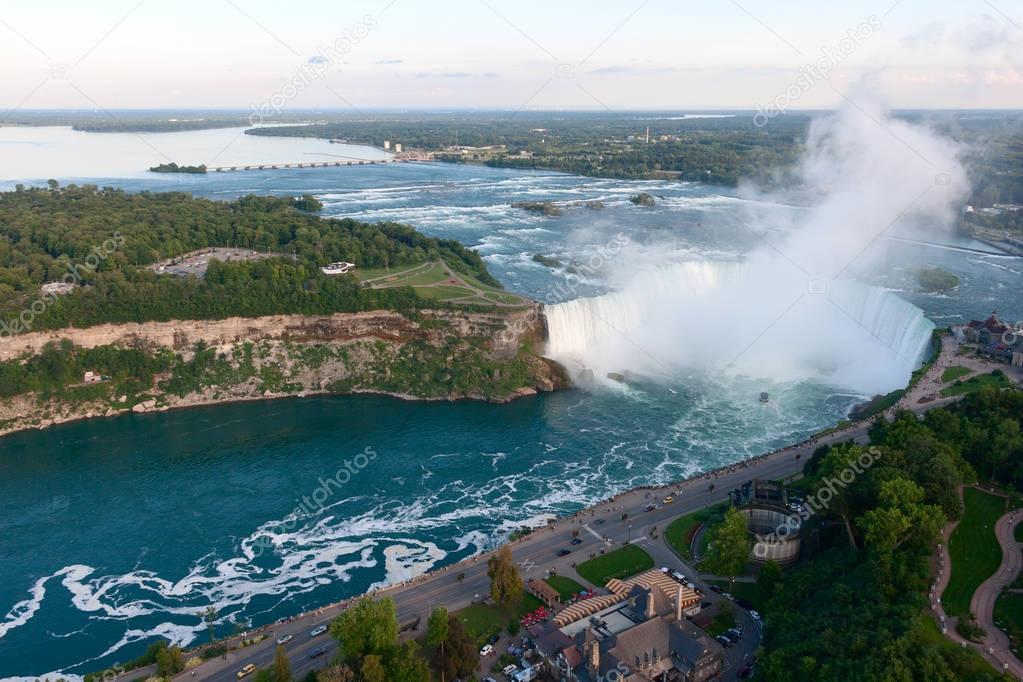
x=996 y=647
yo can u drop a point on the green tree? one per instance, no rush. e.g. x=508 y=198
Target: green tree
x=366 y=628
x=729 y=546
x=462 y=654
x=209 y=616
x=407 y=665
x=437 y=630
x=372 y=669
x=281 y=666
x=336 y=673
x=505 y=581
x=169 y=661
x=769 y=578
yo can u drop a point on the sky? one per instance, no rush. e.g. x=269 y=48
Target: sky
x=356 y=55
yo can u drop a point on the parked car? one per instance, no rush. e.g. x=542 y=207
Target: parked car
x=318 y=651
x=493 y=639
x=487 y=650
x=755 y=615
x=724 y=640
x=678 y=576
x=734 y=633
x=510 y=669
x=716 y=588
x=247 y=670
x=727 y=596
x=318 y=630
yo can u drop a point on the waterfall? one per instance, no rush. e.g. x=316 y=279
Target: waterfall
x=738 y=319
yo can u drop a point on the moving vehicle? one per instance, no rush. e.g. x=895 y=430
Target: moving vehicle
x=649 y=508
x=669 y=499
x=318 y=651
x=598 y=522
x=284 y=639
x=487 y=650
x=564 y=552
x=576 y=541
x=247 y=670
x=317 y=631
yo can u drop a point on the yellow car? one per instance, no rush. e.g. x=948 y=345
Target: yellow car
x=669 y=499
x=247 y=670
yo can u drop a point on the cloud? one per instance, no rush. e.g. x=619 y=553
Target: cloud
x=928 y=34
x=390 y=61
x=445 y=74
x=317 y=59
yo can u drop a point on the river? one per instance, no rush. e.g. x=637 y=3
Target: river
x=115 y=531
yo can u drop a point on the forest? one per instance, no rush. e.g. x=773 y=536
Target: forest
x=102 y=240
x=858 y=608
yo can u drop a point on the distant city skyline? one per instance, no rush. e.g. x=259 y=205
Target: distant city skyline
x=262 y=55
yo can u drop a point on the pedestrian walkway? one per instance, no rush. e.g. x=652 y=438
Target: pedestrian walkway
x=996 y=647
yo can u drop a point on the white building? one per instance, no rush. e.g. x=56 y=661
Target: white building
x=339 y=268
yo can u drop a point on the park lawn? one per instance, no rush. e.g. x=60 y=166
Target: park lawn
x=954 y=372
x=566 y=587
x=975 y=384
x=1009 y=616
x=751 y=592
x=678 y=533
x=483 y=620
x=621 y=563
x=723 y=621
x=974 y=549
x=967 y=664
x=444 y=292
x=372 y=273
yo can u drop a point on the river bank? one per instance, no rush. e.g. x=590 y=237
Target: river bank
x=248 y=359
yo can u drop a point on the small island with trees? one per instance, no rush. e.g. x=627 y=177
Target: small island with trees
x=934 y=280
x=175 y=168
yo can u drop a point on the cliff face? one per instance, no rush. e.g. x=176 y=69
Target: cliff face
x=435 y=355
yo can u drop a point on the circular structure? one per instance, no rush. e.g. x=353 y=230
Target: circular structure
x=775 y=533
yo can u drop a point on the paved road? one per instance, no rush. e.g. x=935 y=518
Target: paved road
x=982 y=605
x=535 y=554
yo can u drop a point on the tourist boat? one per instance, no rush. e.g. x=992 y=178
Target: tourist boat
x=764 y=397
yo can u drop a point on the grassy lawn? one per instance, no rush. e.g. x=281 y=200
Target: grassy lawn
x=974 y=549
x=967 y=664
x=722 y=621
x=444 y=292
x=483 y=620
x=621 y=563
x=1009 y=616
x=372 y=273
x=565 y=586
x=751 y=592
x=953 y=373
x=975 y=384
x=679 y=534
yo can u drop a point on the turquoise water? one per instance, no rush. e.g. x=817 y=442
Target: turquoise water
x=115 y=531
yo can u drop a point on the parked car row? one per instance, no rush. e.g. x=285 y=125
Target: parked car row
x=731 y=636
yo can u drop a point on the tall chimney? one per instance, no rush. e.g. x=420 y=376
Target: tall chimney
x=678 y=603
x=650 y=613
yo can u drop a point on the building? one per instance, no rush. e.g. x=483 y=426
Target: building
x=397 y=148
x=339 y=268
x=387 y=144
x=644 y=636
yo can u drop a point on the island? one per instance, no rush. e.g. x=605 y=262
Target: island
x=935 y=280
x=227 y=301
x=643 y=199
x=175 y=168
x=545 y=208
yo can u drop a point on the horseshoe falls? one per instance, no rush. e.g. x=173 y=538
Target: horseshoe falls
x=736 y=319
